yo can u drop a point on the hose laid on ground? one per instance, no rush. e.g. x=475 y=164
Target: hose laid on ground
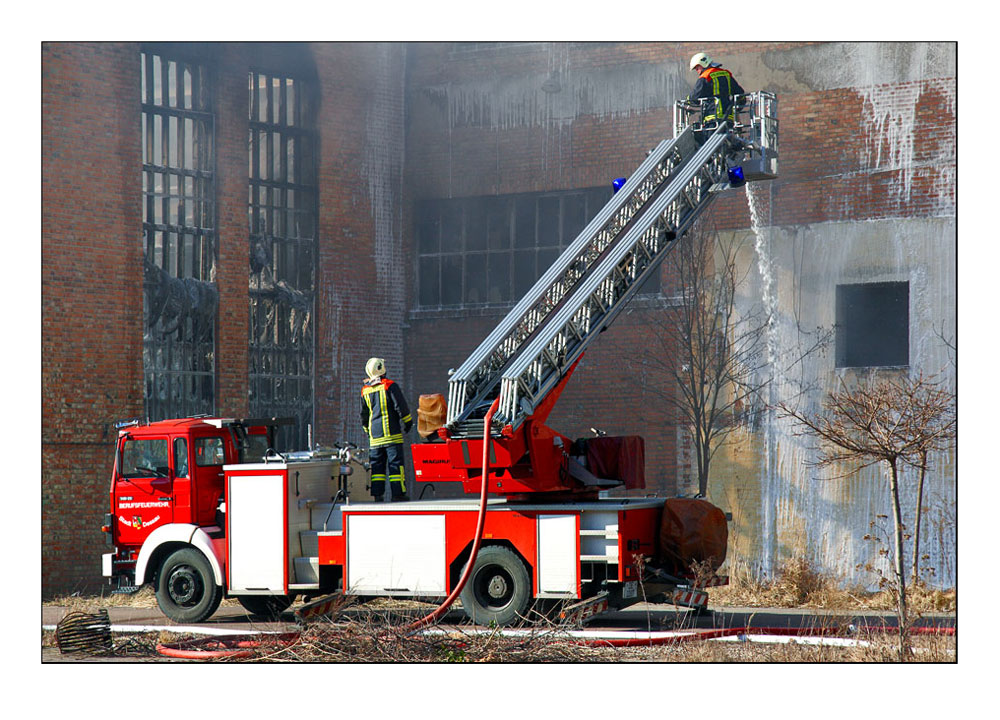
x=242 y=646
x=213 y=648
x=480 y=523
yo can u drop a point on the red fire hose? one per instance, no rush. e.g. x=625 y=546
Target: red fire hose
x=484 y=490
x=213 y=648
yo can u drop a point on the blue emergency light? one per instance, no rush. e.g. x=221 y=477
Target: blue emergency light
x=617 y=183
x=736 y=176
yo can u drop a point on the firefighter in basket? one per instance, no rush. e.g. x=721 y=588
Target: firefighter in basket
x=717 y=87
x=385 y=417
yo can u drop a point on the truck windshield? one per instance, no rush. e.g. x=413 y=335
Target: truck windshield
x=146 y=458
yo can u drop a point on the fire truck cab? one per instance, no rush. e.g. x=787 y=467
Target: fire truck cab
x=166 y=522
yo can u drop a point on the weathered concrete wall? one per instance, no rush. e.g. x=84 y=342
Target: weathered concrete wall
x=886 y=191
x=783 y=505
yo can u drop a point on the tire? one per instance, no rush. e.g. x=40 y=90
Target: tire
x=266 y=607
x=499 y=589
x=185 y=587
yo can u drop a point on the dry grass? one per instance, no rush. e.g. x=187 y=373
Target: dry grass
x=799 y=584
x=144 y=598
x=370 y=641
x=880 y=648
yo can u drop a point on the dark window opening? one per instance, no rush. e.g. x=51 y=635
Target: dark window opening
x=873 y=325
x=491 y=250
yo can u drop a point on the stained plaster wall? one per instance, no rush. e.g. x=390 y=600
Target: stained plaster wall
x=900 y=225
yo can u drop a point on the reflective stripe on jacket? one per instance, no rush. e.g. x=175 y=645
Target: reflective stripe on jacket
x=384 y=413
x=719 y=83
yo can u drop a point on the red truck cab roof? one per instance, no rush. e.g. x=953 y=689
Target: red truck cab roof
x=253 y=426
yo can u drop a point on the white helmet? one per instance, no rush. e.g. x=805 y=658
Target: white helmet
x=375 y=367
x=700 y=58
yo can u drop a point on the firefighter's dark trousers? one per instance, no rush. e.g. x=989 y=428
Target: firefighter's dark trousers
x=387 y=464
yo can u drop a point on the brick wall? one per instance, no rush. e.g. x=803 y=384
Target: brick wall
x=91 y=257
x=91 y=292
x=230 y=66
x=363 y=286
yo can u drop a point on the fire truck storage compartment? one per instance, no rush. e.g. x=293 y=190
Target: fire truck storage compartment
x=275 y=513
x=395 y=554
x=558 y=569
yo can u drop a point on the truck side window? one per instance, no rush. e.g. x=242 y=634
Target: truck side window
x=180 y=457
x=209 y=451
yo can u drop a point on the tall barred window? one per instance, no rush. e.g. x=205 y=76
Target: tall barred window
x=282 y=232
x=178 y=223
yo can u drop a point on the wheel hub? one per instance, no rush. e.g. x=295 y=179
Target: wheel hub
x=183 y=585
x=497 y=587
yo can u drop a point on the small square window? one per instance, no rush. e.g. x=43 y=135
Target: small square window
x=873 y=325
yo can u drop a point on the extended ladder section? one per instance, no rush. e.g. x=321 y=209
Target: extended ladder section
x=582 y=293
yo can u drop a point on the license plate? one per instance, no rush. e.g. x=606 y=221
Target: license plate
x=631 y=589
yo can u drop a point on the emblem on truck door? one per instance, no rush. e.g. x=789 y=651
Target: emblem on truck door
x=137 y=522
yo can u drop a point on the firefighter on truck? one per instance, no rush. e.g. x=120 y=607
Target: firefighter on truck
x=385 y=418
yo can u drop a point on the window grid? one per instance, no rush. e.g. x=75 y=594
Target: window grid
x=178 y=220
x=282 y=213
x=491 y=250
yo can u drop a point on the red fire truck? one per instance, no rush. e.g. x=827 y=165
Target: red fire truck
x=203 y=507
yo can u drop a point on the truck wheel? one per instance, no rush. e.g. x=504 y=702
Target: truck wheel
x=185 y=587
x=267 y=607
x=499 y=589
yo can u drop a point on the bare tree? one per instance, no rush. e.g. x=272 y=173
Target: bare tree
x=706 y=357
x=882 y=421
x=931 y=423
x=711 y=355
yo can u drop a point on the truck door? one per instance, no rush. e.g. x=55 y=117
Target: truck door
x=144 y=492
x=209 y=479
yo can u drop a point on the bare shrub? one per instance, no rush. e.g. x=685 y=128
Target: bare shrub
x=799 y=582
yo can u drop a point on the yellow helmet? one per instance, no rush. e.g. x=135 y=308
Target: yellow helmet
x=375 y=367
x=700 y=58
